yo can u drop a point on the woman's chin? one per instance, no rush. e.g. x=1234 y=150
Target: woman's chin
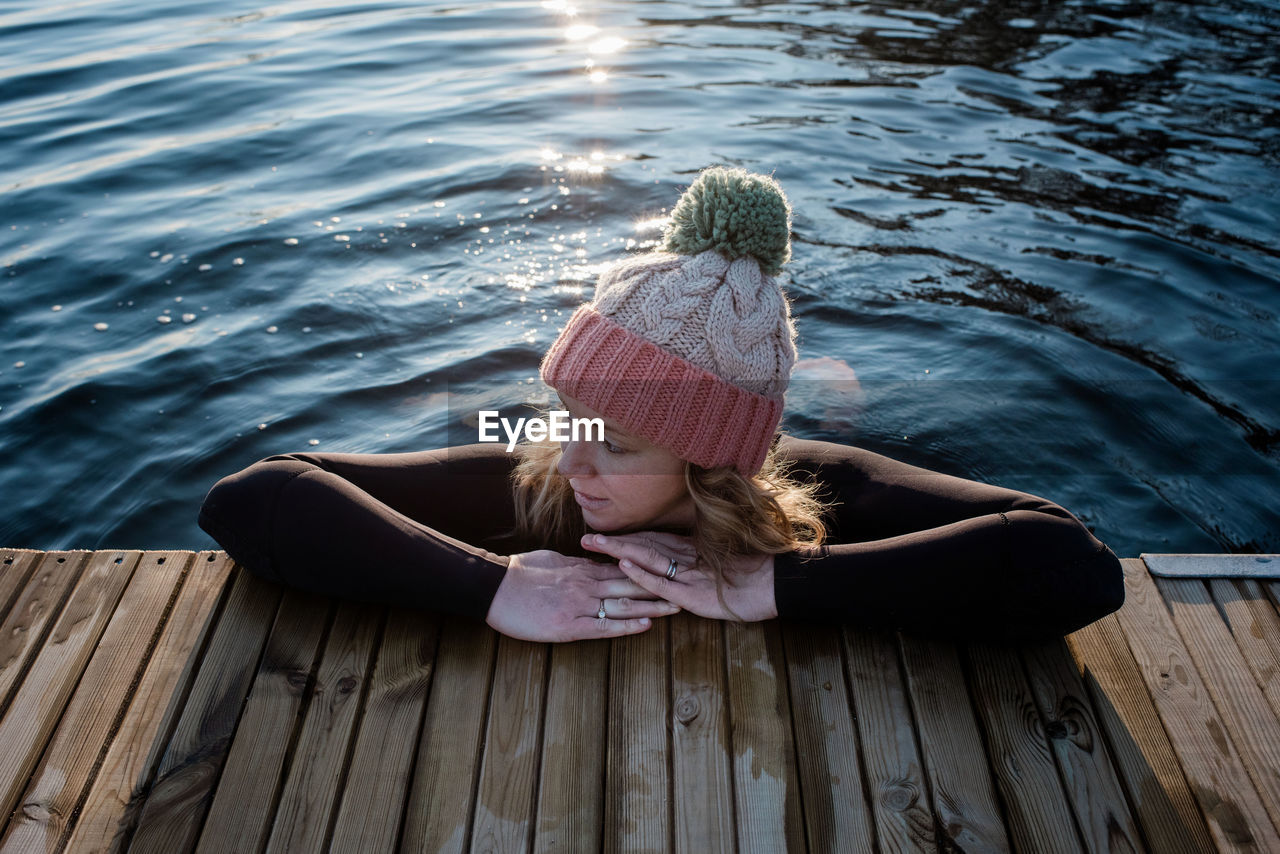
x=603 y=523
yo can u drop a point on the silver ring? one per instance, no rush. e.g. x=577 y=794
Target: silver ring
x=600 y=615
x=671 y=568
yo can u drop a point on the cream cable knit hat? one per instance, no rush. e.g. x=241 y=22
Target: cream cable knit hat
x=692 y=346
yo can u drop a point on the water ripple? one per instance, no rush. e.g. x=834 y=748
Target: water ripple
x=1040 y=238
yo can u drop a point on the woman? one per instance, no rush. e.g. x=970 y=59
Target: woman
x=692 y=500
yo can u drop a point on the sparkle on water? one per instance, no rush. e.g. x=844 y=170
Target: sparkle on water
x=1032 y=245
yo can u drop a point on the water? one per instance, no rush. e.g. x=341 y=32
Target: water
x=1042 y=237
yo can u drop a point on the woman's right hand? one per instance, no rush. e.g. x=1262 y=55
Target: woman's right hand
x=547 y=596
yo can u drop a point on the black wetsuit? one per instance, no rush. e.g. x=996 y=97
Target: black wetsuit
x=908 y=548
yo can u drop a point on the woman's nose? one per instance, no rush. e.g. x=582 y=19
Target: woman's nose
x=574 y=459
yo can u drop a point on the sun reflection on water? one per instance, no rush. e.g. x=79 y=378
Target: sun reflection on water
x=652 y=224
x=607 y=45
x=578 y=32
x=561 y=6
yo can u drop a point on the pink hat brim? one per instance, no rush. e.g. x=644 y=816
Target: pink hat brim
x=653 y=393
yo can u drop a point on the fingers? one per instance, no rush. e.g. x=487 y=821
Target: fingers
x=621 y=616
x=617 y=588
x=590 y=627
x=625 y=607
x=606 y=572
x=640 y=552
x=660 y=543
x=658 y=585
x=669 y=543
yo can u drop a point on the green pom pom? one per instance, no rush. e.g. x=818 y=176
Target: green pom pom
x=736 y=213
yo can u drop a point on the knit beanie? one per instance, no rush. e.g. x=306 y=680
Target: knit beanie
x=691 y=346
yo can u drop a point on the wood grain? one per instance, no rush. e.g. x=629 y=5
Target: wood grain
x=766 y=786
x=1089 y=776
x=964 y=796
x=638 y=812
x=243 y=807
x=1235 y=814
x=313 y=779
x=702 y=776
x=1036 y=811
x=105 y=689
x=1145 y=760
x=188 y=772
x=571 y=785
x=38 y=602
x=1255 y=626
x=114 y=802
x=898 y=792
x=373 y=799
x=16 y=566
x=508 y=783
x=170 y=699
x=1251 y=724
x=43 y=695
x=833 y=801
x=441 y=801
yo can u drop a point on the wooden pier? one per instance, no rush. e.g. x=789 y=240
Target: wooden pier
x=170 y=702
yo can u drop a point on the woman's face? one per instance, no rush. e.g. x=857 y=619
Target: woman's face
x=625 y=482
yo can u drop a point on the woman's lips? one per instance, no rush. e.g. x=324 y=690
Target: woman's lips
x=590 y=502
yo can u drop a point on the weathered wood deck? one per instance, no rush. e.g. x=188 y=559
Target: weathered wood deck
x=169 y=702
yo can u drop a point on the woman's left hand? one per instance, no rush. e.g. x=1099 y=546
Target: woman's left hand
x=645 y=557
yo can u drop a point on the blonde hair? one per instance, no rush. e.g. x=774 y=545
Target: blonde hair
x=768 y=513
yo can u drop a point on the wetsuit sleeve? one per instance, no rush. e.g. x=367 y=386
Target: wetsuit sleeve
x=934 y=554
x=404 y=529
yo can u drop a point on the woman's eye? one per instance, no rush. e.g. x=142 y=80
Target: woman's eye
x=612 y=448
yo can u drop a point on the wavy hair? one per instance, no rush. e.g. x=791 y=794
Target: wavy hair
x=768 y=513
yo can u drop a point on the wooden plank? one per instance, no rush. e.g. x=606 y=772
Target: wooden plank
x=24 y=628
x=1236 y=817
x=103 y=694
x=702 y=780
x=574 y=744
x=373 y=797
x=637 y=774
x=442 y=799
x=1255 y=625
x=765 y=784
x=116 y=795
x=1145 y=760
x=1088 y=774
x=834 y=805
x=57 y=668
x=16 y=566
x=1272 y=589
x=899 y=795
x=1251 y=723
x=1036 y=810
x=188 y=771
x=310 y=792
x=964 y=796
x=512 y=747
x=243 y=806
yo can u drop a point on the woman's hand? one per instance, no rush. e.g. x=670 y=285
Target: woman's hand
x=547 y=596
x=646 y=556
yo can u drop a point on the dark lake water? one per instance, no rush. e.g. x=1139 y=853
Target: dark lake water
x=1034 y=243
